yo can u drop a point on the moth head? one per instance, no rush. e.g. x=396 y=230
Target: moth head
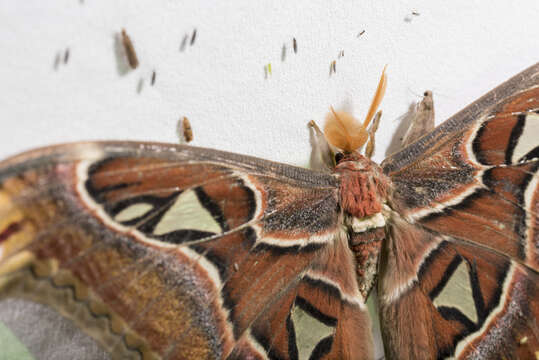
x=345 y=132
x=352 y=161
x=339 y=156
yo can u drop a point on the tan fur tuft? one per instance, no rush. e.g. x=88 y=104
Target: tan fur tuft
x=345 y=132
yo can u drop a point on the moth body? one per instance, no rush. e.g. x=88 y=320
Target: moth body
x=363 y=191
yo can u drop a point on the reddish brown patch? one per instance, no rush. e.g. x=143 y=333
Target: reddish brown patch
x=125 y=177
x=233 y=198
x=363 y=186
x=10 y=230
x=494 y=136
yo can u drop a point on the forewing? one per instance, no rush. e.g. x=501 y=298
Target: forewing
x=163 y=251
x=470 y=189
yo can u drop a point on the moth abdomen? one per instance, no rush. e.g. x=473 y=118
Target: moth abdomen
x=366 y=248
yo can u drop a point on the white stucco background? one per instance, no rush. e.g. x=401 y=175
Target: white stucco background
x=459 y=49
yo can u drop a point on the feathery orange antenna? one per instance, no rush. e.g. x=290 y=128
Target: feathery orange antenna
x=345 y=132
x=378 y=96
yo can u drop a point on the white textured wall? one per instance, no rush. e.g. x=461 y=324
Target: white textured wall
x=460 y=49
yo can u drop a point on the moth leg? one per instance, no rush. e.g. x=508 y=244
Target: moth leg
x=184 y=130
x=422 y=120
x=321 y=154
x=369 y=150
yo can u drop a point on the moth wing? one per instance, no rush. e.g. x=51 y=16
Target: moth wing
x=176 y=252
x=467 y=232
x=458 y=299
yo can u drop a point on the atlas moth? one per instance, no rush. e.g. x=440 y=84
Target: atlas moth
x=164 y=251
